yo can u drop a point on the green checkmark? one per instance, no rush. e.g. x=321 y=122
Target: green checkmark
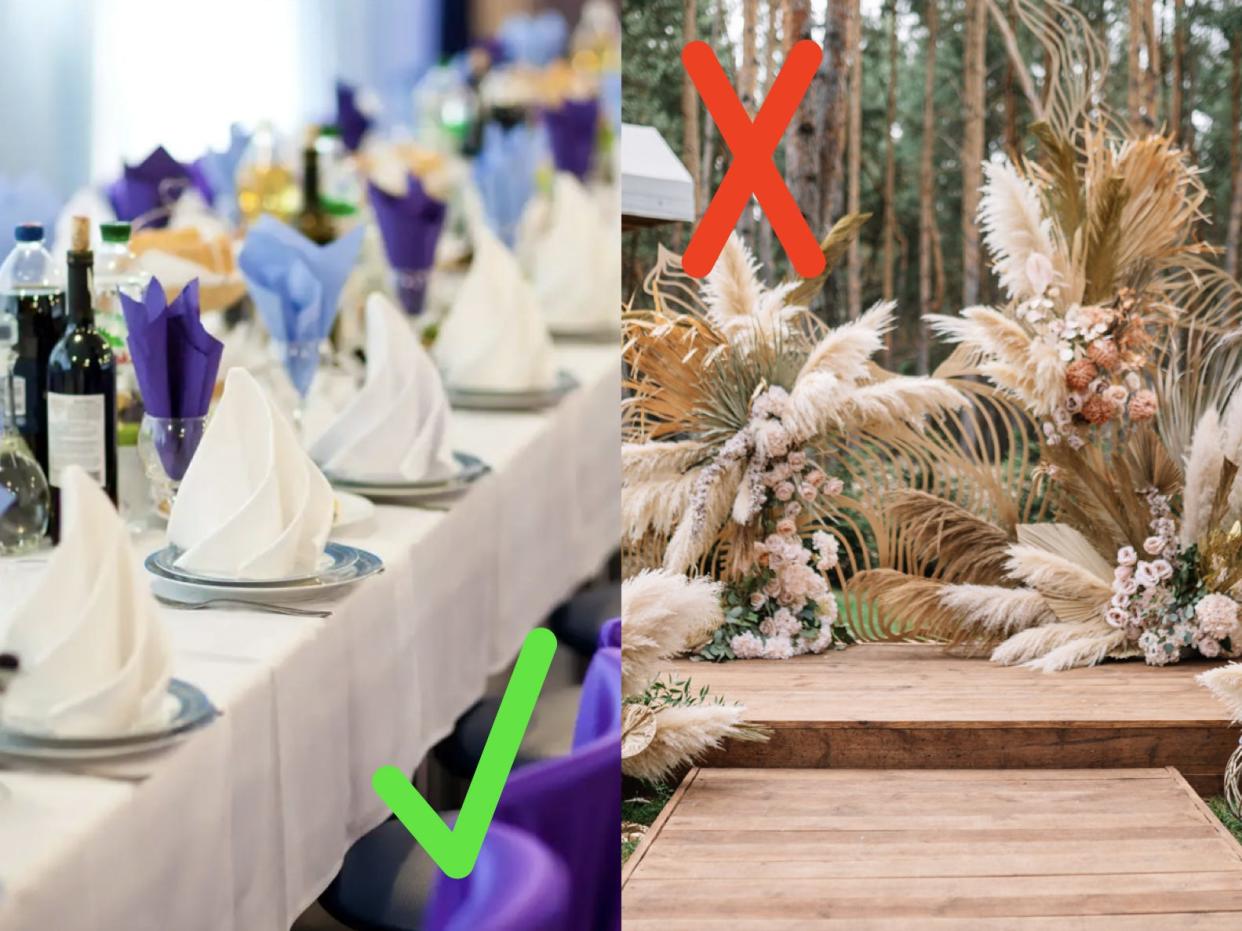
x=455 y=851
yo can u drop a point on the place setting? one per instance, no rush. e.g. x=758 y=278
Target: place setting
x=390 y=441
x=85 y=661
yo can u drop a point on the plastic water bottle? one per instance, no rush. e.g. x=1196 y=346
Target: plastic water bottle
x=24 y=495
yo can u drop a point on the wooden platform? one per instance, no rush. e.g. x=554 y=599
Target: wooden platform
x=1113 y=850
x=901 y=706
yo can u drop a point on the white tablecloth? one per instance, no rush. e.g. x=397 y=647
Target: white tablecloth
x=241 y=826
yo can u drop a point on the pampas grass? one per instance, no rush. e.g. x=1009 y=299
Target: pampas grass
x=732 y=291
x=996 y=612
x=684 y=734
x=1225 y=682
x=1203 y=471
x=1014 y=227
x=662 y=615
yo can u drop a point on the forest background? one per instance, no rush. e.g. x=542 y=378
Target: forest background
x=911 y=97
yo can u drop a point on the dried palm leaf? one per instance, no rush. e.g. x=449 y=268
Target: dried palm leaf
x=966 y=548
x=834 y=246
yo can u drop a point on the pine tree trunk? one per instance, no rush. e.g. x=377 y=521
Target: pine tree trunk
x=690 y=104
x=769 y=74
x=927 y=190
x=832 y=151
x=1178 y=79
x=1151 y=75
x=805 y=136
x=974 y=84
x=854 y=158
x=1234 y=226
x=747 y=82
x=1134 y=74
x=890 y=157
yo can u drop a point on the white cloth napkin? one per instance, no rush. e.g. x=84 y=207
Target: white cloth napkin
x=494 y=338
x=94 y=653
x=570 y=249
x=394 y=429
x=252 y=505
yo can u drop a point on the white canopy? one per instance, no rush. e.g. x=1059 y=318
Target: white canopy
x=655 y=185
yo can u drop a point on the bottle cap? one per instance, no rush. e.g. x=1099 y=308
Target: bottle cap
x=29 y=232
x=115 y=232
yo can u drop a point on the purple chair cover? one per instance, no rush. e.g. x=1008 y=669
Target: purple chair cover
x=572 y=128
x=573 y=805
x=599 y=707
x=610 y=633
x=517 y=884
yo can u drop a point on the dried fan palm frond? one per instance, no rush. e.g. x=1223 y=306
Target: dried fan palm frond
x=684 y=733
x=966 y=548
x=663 y=615
x=1015 y=230
x=1162 y=203
x=1225 y=682
x=902 y=606
x=1074 y=593
x=1075 y=58
x=1203 y=478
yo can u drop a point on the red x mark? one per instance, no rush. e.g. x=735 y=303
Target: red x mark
x=753 y=170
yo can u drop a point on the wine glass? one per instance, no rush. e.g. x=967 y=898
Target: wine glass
x=300 y=359
x=412 y=288
x=165 y=447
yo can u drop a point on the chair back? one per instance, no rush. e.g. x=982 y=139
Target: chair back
x=610 y=633
x=517 y=883
x=599 y=706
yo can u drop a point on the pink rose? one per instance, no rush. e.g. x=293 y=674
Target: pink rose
x=784 y=491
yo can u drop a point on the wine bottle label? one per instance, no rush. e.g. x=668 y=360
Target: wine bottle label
x=19 y=399
x=75 y=435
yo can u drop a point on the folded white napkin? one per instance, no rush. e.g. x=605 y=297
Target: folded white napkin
x=494 y=338
x=395 y=428
x=252 y=505
x=94 y=654
x=571 y=251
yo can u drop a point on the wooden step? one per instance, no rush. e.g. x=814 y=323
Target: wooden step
x=912 y=706
x=768 y=849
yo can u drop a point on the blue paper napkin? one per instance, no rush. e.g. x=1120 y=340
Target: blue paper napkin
x=504 y=173
x=294 y=283
x=218 y=172
x=534 y=40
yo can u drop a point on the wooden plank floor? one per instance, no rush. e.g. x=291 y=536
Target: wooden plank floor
x=776 y=849
x=898 y=706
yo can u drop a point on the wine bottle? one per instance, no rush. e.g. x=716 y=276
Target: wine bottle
x=313 y=221
x=81 y=385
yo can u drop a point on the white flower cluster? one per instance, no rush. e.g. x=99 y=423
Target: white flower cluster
x=1144 y=604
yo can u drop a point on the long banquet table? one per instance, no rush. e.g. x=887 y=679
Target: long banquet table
x=239 y=827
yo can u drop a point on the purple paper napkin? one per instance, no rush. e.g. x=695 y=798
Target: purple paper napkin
x=175 y=358
x=156 y=182
x=350 y=120
x=410 y=225
x=176 y=361
x=572 y=130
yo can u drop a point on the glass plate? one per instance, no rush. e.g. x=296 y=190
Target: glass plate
x=468 y=399
x=336 y=561
x=470 y=469
x=188 y=709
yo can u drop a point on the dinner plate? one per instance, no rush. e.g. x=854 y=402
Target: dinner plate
x=351 y=509
x=362 y=565
x=533 y=400
x=469 y=469
x=337 y=559
x=188 y=709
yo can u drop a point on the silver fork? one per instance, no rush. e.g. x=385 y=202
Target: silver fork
x=242 y=603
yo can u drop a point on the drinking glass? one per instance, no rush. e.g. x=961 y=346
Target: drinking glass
x=166 y=445
x=300 y=359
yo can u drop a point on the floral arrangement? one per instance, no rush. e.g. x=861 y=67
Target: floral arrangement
x=738 y=399
x=1109 y=348
x=666 y=724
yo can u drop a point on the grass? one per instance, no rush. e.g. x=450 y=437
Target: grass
x=644 y=803
x=1221 y=810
